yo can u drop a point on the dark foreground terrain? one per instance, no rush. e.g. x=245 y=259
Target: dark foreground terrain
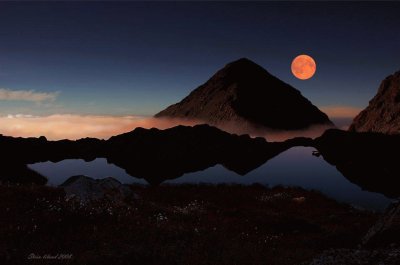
x=185 y=224
x=111 y=223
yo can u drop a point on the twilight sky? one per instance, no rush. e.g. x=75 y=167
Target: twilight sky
x=135 y=58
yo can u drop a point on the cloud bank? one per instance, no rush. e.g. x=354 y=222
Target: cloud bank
x=73 y=126
x=26 y=95
x=70 y=126
x=342 y=116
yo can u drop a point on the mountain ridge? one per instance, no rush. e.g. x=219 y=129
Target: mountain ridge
x=383 y=111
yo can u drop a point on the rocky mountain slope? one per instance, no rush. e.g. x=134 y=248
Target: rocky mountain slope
x=383 y=112
x=245 y=92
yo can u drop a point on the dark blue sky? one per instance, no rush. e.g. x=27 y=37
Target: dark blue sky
x=136 y=58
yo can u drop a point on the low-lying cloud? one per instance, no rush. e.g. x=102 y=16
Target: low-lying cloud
x=71 y=126
x=26 y=95
x=342 y=116
x=273 y=135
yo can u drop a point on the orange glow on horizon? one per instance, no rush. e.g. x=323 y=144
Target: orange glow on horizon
x=70 y=126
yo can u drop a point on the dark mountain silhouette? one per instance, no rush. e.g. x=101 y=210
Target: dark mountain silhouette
x=245 y=92
x=153 y=154
x=20 y=173
x=383 y=112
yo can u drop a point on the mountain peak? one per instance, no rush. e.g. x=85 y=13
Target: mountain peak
x=246 y=93
x=243 y=62
x=241 y=70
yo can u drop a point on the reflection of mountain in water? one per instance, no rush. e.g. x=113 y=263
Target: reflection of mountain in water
x=157 y=155
x=366 y=159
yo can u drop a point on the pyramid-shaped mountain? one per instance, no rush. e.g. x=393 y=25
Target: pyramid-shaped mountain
x=245 y=92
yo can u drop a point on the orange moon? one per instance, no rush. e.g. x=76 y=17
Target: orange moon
x=303 y=67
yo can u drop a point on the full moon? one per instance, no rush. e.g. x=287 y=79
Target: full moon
x=303 y=67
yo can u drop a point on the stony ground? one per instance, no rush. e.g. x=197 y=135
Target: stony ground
x=193 y=224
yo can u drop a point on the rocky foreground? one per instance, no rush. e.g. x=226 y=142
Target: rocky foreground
x=186 y=224
x=88 y=221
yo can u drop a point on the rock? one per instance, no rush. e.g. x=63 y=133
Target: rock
x=19 y=173
x=246 y=94
x=390 y=256
x=86 y=189
x=383 y=112
x=342 y=257
x=380 y=245
x=299 y=200
x=387 y=230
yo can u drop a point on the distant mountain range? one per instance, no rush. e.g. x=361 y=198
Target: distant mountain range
x=383 y=112
x=246 y=93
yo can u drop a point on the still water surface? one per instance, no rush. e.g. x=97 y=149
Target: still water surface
x=295 y=167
